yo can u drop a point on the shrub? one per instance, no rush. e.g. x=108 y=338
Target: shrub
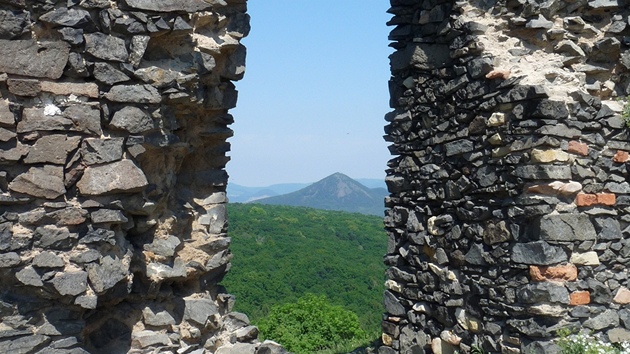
x=310 y=324
x=586 y=344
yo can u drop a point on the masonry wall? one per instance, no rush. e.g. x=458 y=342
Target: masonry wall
x=508 y=215
x=113 y=127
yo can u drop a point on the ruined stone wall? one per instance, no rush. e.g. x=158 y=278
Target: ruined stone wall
x=509 y=210
x=113 y=127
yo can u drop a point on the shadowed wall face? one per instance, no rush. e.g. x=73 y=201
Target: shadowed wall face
x=508 y=216
x=113 y=127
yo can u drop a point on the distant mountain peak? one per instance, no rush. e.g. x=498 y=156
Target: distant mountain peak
x=335 y=192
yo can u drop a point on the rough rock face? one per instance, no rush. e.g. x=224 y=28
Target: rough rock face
x=508 y=214
x=113 y=127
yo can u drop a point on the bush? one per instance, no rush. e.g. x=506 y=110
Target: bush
x=586 y=344
x=310 y=324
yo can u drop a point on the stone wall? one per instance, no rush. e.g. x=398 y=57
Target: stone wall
x=113 y=128
x=509 y=210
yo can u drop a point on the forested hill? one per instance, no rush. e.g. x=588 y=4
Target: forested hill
x=283 y=252
x=335 y=192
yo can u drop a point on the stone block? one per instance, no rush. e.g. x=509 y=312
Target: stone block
x=52 y=149
x=618 y=335
x=106 y=47
x=564 y=228
x=621 y=156
x=543 y=172
x=70 y=88
x=46 y=59
x=132 y=119
x=545 y=156
x=538 y=253
x=587 y=258
x=199 y=310
x=547 y=292
x=24 y=87
x=103 y=179
x=134 y=94
x=44 y=182
x=70 y=283
x=175 y=5
x=623 y=296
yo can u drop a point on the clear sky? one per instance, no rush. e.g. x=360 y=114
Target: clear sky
x=314 y=94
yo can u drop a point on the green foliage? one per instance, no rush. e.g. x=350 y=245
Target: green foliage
x=310 y=324
x=282 y=253
x=477 y=349
x=585 y=344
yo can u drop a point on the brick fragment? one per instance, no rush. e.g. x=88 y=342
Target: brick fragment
x=606 y=198
x=498 y=74
x=621 y=156
x=557 y=273
x=584 y=199
x=577 y=298
x=578 y=148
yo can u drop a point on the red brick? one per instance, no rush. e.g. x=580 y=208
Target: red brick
x=576 y=147
x=583 y=199
x=579 y=298
x=606 y=198
x=621 y=156
x=558 y=273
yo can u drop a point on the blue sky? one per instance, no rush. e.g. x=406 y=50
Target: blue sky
x=314 y=94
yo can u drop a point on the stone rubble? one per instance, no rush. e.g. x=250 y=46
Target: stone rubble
x=510 y=163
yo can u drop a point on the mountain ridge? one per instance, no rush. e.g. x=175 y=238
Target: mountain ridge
x=335 y=192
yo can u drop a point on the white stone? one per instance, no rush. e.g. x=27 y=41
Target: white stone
x=496 y=119
x=587 y=258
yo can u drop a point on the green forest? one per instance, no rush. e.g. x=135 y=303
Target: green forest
x=283 y=253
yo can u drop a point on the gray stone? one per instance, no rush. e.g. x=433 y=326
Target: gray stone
x=6 y=135
x=618 y=335
x=476 y=255
x=270 y=347
x=541 y=22
x=86 y=301
x=560 y=130
x=106 y=47
x=23 y=345
x=45 y=182
x=47 y=259
x=52 y=149
x=138 y=47
x=606 y=319
x=421 y=56
x=163 y=247
x=496 y=232
x=608 y=229
x=108 y=216
x=9 y=260
x=13 y=23
x=391 y=304
x=535 y=293
x=199 y=310
x=175 y=5
x=99 y=151
x=543 y=172
x=52 y=237
x=63 y=16
x=70 y=283
x=621 y=188
x=106 y=73
x=86 y=256
x=569 y=47
x=73 y=36
x=46 y=59
x=132 y=119
x=99 y=236
x=28 y=276
x=237 y=348
x=105 y=179
x=157 y=316
x=107 y=274
x=134 y=94
x=564 y=227
x=603 y=4
x=458 y=147
x=538 y=253
x=85 y=118
x=147 y=338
